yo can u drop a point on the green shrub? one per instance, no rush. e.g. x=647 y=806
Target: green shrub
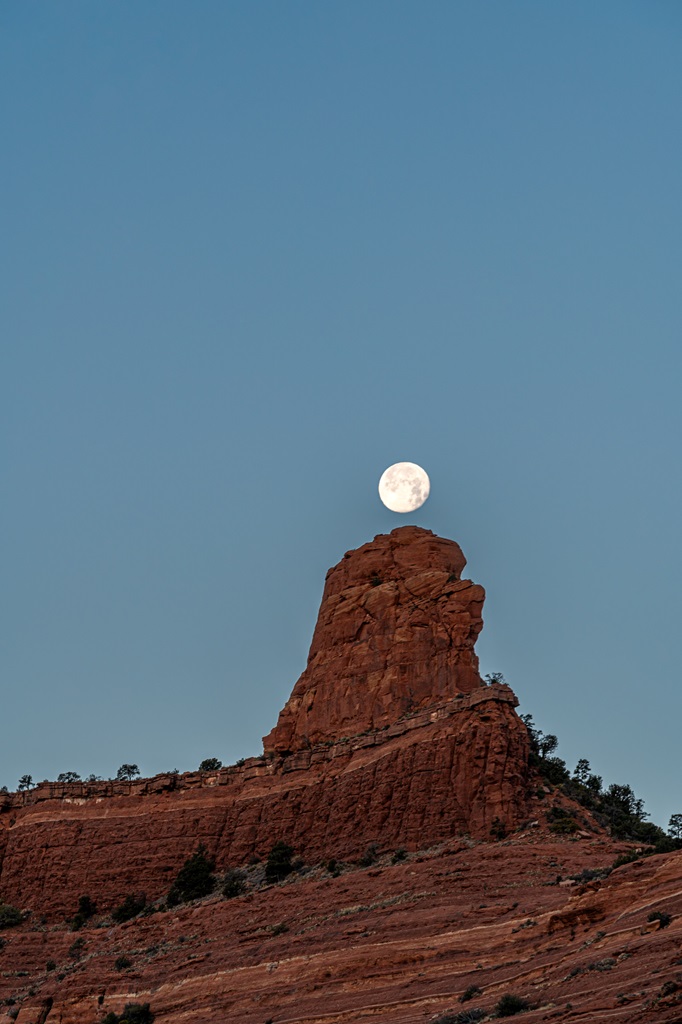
x=278 y=864
x=130 y=908
x=463 y=1017
x=590 y=874
x=10 y=916
x=498 y=830
x=210 y=764
x=122 y=962
x=509 y=1005
x=658 y=915
x=194 y=879
x=86 y=910
x=564 y=826
x=469 y=993
x=132 y=1013
x=369 y=856
x=625 y=858
x=234 y=884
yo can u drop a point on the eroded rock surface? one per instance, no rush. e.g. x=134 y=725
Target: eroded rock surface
x=395 y=633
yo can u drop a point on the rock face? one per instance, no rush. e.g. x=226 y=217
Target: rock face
x=390 y=737
x=395 y=633
x=387 y=944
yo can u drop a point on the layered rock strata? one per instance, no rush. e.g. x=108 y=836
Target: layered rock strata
x=390 y=737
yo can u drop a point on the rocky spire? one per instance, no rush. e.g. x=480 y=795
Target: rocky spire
x=395 y=632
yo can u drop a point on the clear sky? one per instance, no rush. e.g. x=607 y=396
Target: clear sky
x=253 y=253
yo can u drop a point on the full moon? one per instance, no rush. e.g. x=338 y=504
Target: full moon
x=404 y=487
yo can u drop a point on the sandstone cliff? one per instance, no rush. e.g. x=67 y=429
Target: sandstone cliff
x=390 y=737
x=395 y=632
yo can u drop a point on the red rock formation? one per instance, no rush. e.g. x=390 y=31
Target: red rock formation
x=441 y=773
x=389 y=944
x=395 y=632
x=395 y=740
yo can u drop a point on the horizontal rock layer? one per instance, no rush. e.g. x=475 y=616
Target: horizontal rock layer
x=436 y=775
x=385 y=945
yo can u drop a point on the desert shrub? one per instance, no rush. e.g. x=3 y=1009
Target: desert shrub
x=50 y=966
x=9 y=916
x=510 y=1005
x=278 y=864
x=210 y=764
x=607 y=964
x=463 y=1017
x=76 y=948
x=130 y=908
x=122 y=962
x=590 y=874
x=132 y=1013
x=86 y=910
x=498 y=830
x=398 y=855
x=369 y=856
x=625 y=858
x=659 y=915
x=564 y=826
x=194 y=879
x=469 y=993
x=234 y=884
x=280 y=928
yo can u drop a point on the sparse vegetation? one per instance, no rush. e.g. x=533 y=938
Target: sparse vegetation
x=498 y=830
x=132 y=1013
x=127 y=772
x=509 y=1005
x=10 y=916
x=398 y=855
x=194 y=879
x=130 y=908
x=210 y=764
x=50 y=966
x=25 y=782
x=278 y=864
x=234 y=884
x=369 y=856
x=564 y=825
x=86 y=910
x=659 y=915
x=68 y=777
x=675 y=826
x=616 y=808
x=280 y=928
x=121 y=963
x=76 y=947
x=470 y=993
x=462 y=1017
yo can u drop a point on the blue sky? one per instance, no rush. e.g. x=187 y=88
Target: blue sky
x=253 y=253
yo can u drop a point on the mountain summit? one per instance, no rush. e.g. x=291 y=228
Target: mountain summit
x=395 y=633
